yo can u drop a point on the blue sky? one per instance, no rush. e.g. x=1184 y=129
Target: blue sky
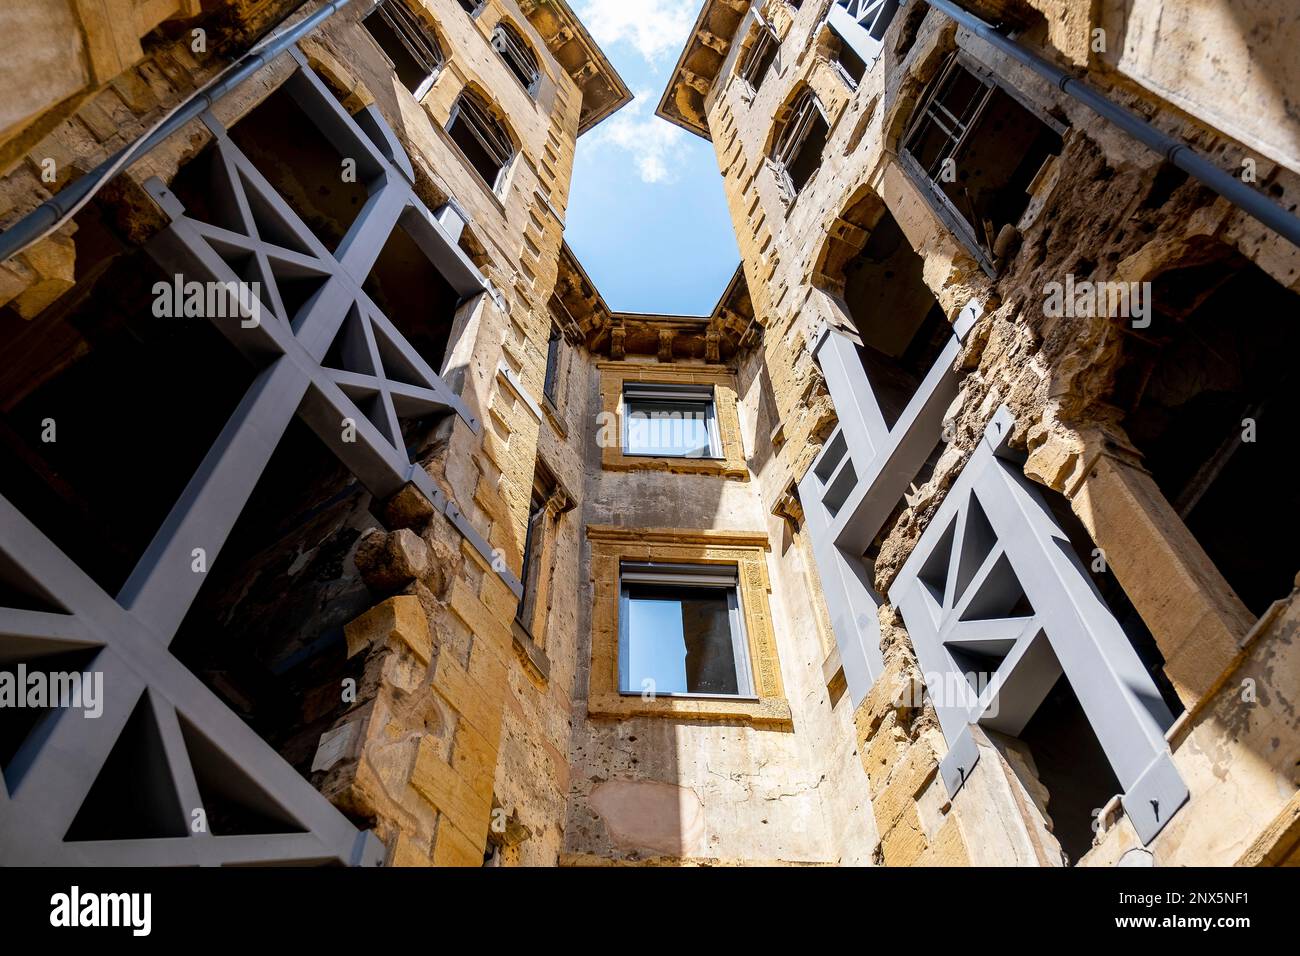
x=646 y=215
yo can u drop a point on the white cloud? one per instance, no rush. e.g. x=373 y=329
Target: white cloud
x=655 y=145
x=656 y=28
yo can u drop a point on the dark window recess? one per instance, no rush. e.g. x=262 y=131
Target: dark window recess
x=409 y=43
x=481 y=137
x=532 y=548
x=265 y=632
x=1217 y=355
x=902 y=326
x=800 y=141
x=1069 y=763
x=851 y=65
x=120 y=386
x=413 y=294
x=759 y=57
x=299 y=162
x=551 y=385
x=471 y=7
x=979 y=150
x=518 y=56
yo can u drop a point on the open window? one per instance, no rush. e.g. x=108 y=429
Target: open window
x=760 y=56
x=681 y=631
x=482 y=137
x=975 y=148
x=408 y=42
x=518 y=56
x=554 y=356
x=472 y=7
x=671 y=421
x=548 y=502
x=902 y=326
x=799 y=141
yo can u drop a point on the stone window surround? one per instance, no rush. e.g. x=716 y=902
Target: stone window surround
x=732 y=464
x=688 y=398
x=744 y=550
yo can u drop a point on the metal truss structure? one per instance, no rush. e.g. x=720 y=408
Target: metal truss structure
x=199 y=746
x=864 y=468
x=862 y=24
x=999 y=606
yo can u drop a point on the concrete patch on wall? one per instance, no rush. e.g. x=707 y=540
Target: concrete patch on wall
x=652 y=816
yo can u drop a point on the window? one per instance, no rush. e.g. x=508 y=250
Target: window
x=518 y=55
x=408 y=43
x=551 y=385
x=976 y=149
x=532 y=542
x=549 y=501
x=672 y=421
x=902 y=326
x=481 y=137
x=798 y=144
x=472 y=7
x=759 y=57
x=852 y=67
x=681 y=631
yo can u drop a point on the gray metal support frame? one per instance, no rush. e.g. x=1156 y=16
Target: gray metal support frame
x=863 y=470
x=862 y=25
x=45 y=785
x=995 y=575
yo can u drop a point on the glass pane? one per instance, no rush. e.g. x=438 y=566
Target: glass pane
x=679 y=639
x=679 y=429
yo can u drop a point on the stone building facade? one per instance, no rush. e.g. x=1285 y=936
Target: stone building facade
x=321 y=448
x=1062 y=607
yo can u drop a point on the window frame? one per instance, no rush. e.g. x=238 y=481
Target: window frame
x=665 y=393
x=481 y=119
x=410 y=21
x=765 y=38
x=518 y=55
x=747 y=551
x=553 y=378
x=687 y=576
x=938 y=200
x=789 y=141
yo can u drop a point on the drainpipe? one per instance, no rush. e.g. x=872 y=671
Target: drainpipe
x=1177 y=152
x=51 y=214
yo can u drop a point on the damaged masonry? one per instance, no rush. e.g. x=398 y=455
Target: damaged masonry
x=959 y=532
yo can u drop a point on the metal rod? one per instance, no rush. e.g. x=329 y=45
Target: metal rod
x=1174 y=150
x=40 y=220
